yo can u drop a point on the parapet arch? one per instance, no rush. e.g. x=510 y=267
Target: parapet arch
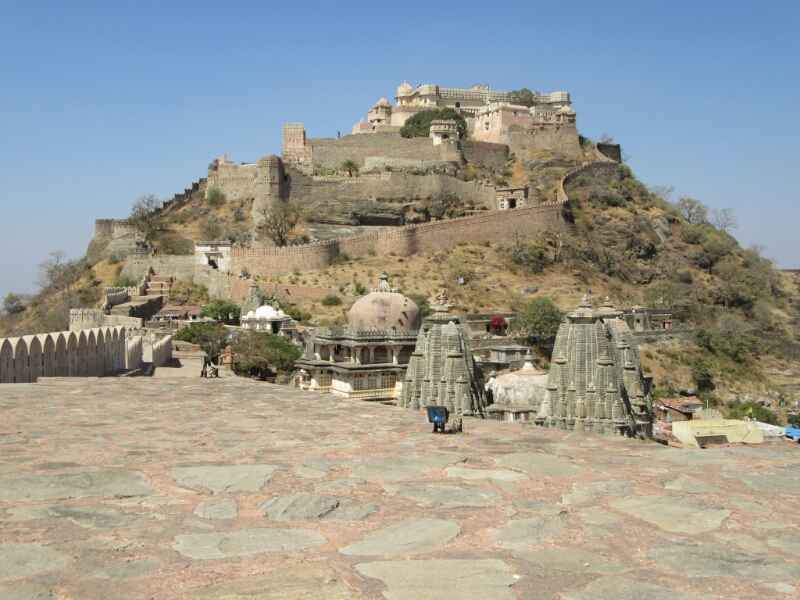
x=6 y=362
x=91 y=353
x=21 y=370
x=71 y=339
x=48 y=354
x=82 y=368
x=61 y=361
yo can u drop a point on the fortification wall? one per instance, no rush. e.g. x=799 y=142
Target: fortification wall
x=179 y=267
x=561 y=138
x=86 y=353
x=330 y=153
x=402 y=241
x=91 y=318
x=485 y=154
x=285 y=292
x=237 y=182
x=332 y=194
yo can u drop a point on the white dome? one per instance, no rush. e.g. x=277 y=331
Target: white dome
x=268 y=312
x=524 y=387
x=405 y=89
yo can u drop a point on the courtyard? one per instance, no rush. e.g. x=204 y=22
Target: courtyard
x=162 y=488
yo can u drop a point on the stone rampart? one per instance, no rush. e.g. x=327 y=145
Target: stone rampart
x=238 y=182
x=402 y=241
x=116 y=295
x=560 y=138
x=179 y=267
x=485 y=154
x=133 y=353
x=85 y=353
x=330 y=153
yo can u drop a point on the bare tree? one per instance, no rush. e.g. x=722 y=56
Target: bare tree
x=145 y=217
x=665 y=192
x=724 y=219
x=277 y=222
x=694 y=211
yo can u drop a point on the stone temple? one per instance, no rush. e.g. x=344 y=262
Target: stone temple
x=595 y=381
x=442 y=370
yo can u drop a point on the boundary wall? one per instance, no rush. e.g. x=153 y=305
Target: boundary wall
x=162 y=352
x=85 y=353
x=402 y=241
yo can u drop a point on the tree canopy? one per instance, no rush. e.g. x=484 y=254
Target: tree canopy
x=211 y=337
x=261 y=354
x=278 y=222
x=539 y=321
x=420 y=124
x=223 y=311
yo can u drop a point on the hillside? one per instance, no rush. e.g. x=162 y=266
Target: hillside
x=620 y=240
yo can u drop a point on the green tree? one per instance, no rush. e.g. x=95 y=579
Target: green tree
x=523 y=96
x=331 y=300
x=350 y=166
x=539 y=321
x=420 y=124
x=261 y=354
x=211 y=337
x=223 y=311
x=13 y=304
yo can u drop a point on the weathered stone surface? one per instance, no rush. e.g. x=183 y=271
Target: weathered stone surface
x=224 y=478
x=781 y=588
x=26 y=591
x=790 y=544
x=445 y=496
x=413 y=536
x=477 y=474
x=72 y=485
x=217 y=508
x=24 y=560
x=93 y=517
x=401 y=469
x=721 y=560
x=538 y=464
x=521 y=534
x=587 y=492
x=692 y=485
x=598 y=516
x=672 y=514
x=306 y=581
x=338 y=486
x=128 y=569
x=488 y=579
x=624 y=588
x=571 y=560
x=245 y=542
x=299 y=507
x=782 y=481
x=350 y=510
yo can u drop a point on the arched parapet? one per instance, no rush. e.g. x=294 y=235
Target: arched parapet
x=22 y=371
x=60 y=359
x=34 y=357
x=6 y=361
x=101 y=351
x=48 y=344
x=133 y=353
x=82 y=369
x=91 y=353
x=73 y=355
x=114 y=335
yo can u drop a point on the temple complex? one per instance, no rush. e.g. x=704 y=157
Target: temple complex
x=366 y=359
x=595 y=381
x=517 y=395
x=442 y=370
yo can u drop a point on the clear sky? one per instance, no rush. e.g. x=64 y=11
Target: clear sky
x=101 y=102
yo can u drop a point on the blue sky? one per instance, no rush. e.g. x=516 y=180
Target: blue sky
x=101 y=102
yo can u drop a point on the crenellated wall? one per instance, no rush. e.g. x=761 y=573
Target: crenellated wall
x=85 y=353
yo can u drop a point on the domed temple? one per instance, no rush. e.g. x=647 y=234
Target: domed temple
x=595 y=381
x=518 y=395
x=441 y=370
x=366 y=359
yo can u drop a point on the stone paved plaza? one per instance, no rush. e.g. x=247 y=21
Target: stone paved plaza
x=190 y=488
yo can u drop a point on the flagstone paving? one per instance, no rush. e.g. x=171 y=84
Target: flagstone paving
x=155 y=488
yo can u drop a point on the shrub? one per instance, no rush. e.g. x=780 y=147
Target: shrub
x=532 y=257
x=331 y=300
x=124 y=281
x=702 y=376
x=753 y=410
x=183 y=292
x=173 y=244
x=297 y=313
x=359 y=288
x=212 y=229
x=215 y=197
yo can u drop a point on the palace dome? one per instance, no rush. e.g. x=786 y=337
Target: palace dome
x=383 y=102
x=383 y=309
x=405 y=89
x=566 y=110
